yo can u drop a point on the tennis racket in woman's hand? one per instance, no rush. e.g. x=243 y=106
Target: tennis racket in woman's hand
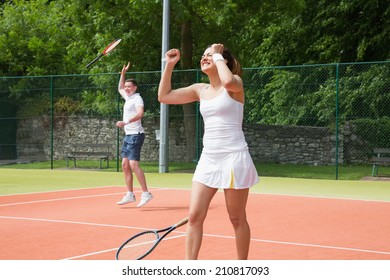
x=143 y=243
x=109 y=48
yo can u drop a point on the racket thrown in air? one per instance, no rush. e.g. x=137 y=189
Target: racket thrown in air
x=143 y=243
x=109 y=48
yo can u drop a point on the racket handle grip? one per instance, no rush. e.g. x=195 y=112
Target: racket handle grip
x=93 y=61
x=182 y=222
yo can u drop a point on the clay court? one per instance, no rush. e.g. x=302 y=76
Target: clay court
x=86 y=224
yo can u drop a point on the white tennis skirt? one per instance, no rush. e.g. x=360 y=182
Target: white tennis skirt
x=230 y=170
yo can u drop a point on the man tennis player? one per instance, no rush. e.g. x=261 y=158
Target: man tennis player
x=133 y=112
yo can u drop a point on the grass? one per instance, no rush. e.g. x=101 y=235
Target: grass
x=345 y=172
x=19 y=181
x=149 y=167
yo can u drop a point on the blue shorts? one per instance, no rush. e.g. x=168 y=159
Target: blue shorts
x=132 y=145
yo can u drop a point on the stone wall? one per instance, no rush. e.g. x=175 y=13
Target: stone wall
x=267 y=143
x=292 y=144
x=33 y=138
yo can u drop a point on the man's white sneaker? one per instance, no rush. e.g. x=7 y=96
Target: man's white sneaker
x=127 y=199
x=145 y=198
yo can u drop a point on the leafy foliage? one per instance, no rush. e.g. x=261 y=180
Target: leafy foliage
x=310 y=95
x=43 y=37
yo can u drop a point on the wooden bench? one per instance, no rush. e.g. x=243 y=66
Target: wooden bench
x=86 y=151
x=382 y=157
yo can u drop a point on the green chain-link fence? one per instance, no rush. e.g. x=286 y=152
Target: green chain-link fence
x=298 y=117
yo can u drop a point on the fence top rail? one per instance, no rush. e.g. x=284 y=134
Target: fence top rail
x=196 y=69
x=317 y=65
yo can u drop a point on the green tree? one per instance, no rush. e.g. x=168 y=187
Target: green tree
x=43 y=37
x=326 y=32
x=33 y=37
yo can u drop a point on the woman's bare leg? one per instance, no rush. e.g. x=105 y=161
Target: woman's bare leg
x=201 y=197
x=236 y=206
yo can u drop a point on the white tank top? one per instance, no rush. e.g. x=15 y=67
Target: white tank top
x=222 y=118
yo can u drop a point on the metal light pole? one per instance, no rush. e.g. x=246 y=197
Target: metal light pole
x=164 y=109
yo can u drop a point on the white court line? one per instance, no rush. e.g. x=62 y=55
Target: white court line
x=58 y=199
x=209 y=235
x=323 y=246
x=188 y=189
x=67 y=198
x=88 y=224
x=63 y=190
x=305 y=245
x=71 y=222
x=322 y=197
x=114 y=249
x=83 y=189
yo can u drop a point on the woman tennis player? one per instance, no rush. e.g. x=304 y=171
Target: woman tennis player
x=225 y=161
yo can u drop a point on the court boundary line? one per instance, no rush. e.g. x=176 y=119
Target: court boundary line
x=63 y=190
x=116 y=249
x=324 y=246
x=66 y=198
x=58 y=199
x=161 y=189
x=324 y=197
x=205 y=234
x=70 y=222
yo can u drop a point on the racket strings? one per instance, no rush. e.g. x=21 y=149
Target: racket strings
x=138 y=246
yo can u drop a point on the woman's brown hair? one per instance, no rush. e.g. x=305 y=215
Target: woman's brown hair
x=232 y=63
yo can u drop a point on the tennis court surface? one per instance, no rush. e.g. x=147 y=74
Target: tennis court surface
x=86 y=224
